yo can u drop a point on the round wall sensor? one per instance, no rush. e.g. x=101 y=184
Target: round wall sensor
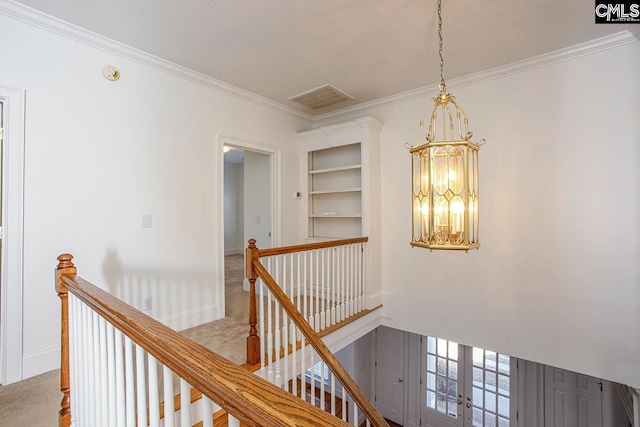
x=110 y=72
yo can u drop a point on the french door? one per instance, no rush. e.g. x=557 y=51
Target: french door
x=466 y=386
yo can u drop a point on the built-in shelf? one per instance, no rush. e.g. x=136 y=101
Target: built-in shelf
x=344 y=190
x=340 y=168
x=335 y=216
x=336 y=178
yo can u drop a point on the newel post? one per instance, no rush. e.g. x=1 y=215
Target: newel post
x=65 y=267
x=253 y=341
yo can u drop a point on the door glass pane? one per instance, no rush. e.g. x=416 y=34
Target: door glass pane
x=453 y=350
x=431 y=345
x=453 y=369
x=491 y=376
x=490 y=360
x=503 y=406
x=453 y=388
x=503 y=384
x=490 y=380
x=431 y=399
x=431 y=381
x=489 y=420
x=477 y=397
x=477 y=417
x=431 y=363
x=478 y=356
x=442 y=376
x=453 y=408
x=442 y=347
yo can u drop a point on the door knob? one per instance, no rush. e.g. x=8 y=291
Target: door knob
x=400 y=380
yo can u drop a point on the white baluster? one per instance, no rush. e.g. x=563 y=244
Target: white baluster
x=312 y=377
x=111 y=374
x=343 y=289
x=269 y=355
x=140 y=387
x=332 y=296
x=185 y=404
x=261 y=322
x=303 y=376
x=103 y=381
x=344 y=405
x=332 y=289
x=359 y=280
x=350 y=280
x=317 y=285
x=323 y=404
x=92 y=369
x=356 y=416
x=121 y=407
x=333 y=394
x=207 y=412
x=233 y=421
x=285 y=345
x=294 y=366
x=154 y=404
x=277 y=379
x=306 y=284
x=321 y=285
x=129 y=376
x=73 y=365
x=169 y=407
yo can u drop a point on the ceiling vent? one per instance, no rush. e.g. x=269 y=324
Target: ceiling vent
x=323 y=96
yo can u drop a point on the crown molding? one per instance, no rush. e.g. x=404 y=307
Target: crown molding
x=604 y=43
x=73 y=32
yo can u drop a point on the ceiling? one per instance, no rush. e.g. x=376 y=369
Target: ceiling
x=369 y=49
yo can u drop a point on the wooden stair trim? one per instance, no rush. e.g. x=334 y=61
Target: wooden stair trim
x=249 y=398
x=321 y=334
x=323 y=351
x=309 y=246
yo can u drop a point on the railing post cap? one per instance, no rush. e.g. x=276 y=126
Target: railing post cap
x=64 y=261
x=252 y=243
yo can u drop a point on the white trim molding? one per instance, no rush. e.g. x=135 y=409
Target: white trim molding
x=426 y=92
x=65 y=29
x=11 y=273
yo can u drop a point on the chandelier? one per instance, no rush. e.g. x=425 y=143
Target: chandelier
x=445 y=174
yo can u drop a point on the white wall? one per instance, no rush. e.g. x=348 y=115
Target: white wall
x=233 y=208
x=557 y=279
x=257 y=198
x=100 y=154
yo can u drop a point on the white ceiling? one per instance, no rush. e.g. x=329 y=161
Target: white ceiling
x=367 y=48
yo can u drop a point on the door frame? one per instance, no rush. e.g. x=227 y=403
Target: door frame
x=11 y=272
x=274 y=154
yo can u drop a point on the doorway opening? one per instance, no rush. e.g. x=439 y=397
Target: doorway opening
x=11 y=243
x=250 y=196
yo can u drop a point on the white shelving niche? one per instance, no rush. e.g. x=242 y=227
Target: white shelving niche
x=337 y=164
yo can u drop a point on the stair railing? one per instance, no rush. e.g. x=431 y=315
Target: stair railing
x=289 y=331
x=119 y=368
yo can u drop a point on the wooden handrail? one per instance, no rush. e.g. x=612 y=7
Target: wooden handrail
x=252 y=400
x=309 y=246
x=323 y=351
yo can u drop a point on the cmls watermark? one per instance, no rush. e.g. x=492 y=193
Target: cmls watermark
x=620 y=12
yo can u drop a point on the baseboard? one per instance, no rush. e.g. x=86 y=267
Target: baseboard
x=192 y=318
x=39 y=362
x=233 y=251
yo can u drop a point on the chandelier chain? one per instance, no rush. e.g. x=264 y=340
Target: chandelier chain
x=443 y=86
